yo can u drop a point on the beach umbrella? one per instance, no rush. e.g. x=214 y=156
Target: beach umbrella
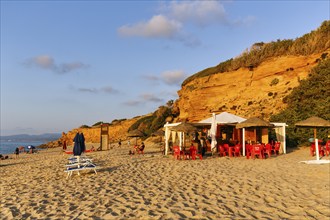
x=314 y=122
x=77 y=147
x=253 y=122
x=184 y=127
x=82 y=142
x=135 y=133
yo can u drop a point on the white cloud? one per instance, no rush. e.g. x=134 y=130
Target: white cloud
x=173 y=19
x=89 y=90
x=132 y=103
x=201 y=13
x=109 y=89
x=151 y=78
x=151 y=98
x=47 y=62
x=158 y=26
x=174 y=77
x=43 y=61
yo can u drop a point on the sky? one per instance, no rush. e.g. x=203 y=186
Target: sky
x=70 y=63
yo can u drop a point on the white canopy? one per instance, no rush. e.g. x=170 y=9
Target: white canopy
x=223 y=118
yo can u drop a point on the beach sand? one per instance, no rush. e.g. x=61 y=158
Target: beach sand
x=157 y=187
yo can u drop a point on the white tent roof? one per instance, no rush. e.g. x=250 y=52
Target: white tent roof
x=224 y=118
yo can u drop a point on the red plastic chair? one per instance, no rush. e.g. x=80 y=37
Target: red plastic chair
x=277 y=147
x=229 y=150
x=258 y=151
x=268 y=150
x=237 y=150
x=222 y=151
x=176 y=152
x=327 y=148
x=248 y=150
x=193 y=153
x=313 y=150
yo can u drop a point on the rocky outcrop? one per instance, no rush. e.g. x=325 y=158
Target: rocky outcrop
x=117 y=131
x=246 y=92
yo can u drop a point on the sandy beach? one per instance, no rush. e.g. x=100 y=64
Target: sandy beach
x=157 y=187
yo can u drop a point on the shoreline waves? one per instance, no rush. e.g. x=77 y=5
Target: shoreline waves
x=157 y=187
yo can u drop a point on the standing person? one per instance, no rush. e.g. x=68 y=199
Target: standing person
x=129 y=144
x=64 y=145
x=119 y=143
x=17 y=152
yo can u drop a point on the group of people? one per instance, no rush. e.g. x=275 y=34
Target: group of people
x=137 y=149
x=21 y=149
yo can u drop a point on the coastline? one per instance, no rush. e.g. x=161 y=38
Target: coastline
x=157 y=187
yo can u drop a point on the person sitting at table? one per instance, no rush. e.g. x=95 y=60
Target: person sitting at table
x=140 y=149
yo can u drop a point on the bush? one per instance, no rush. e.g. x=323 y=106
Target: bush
x=310 y=98
x=274 y=82
x=313 y=42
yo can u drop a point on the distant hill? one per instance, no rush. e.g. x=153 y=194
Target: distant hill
x=26 y=137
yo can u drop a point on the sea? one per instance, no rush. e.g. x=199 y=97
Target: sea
x=8 y=146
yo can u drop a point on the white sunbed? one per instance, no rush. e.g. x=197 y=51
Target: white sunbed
x=80 y=159
x=79 y=164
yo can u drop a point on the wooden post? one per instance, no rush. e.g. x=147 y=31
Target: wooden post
x=104 y=145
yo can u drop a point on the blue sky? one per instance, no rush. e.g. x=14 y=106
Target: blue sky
x=70 y=63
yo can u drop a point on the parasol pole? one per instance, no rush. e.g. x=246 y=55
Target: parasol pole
x=314 y=133
x=317 y=149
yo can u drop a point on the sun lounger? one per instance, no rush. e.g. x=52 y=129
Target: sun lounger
x=82 y=159
x=79 y=164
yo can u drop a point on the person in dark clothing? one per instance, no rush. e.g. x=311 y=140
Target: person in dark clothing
x=64 y=145
x=17 y=152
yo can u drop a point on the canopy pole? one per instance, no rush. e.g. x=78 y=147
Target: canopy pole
x=166 y=139
x=243 y=140
x=284 y=139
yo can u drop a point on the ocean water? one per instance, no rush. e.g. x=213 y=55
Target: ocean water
x=8 y=147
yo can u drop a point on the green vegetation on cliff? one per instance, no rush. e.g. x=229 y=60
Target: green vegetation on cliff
x=151 y=123
x=310 y=98
x=313 y=42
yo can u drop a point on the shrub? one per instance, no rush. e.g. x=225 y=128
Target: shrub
x=310 y=98
x=274 y=82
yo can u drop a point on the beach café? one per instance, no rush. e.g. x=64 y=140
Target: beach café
x=222 y=127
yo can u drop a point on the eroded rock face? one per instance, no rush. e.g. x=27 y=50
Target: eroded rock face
x=246 y=93
x=93 y=134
